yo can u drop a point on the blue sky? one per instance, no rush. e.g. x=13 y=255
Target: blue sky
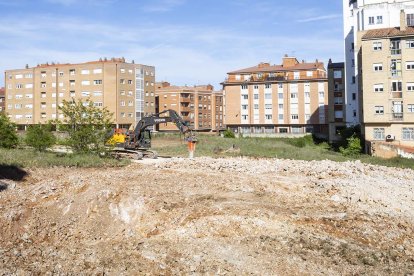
x=188 y=41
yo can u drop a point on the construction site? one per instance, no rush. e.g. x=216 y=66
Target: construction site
x=233 y=216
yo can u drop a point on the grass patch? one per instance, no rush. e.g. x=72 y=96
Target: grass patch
x=28 y=158
x=286 y=148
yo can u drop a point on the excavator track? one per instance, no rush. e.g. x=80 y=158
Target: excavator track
x=134 y=154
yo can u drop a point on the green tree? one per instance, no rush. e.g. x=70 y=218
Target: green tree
x=229 y=134
x=40 y=137
x=8 y=136
x=88 y=126
x=353 y=148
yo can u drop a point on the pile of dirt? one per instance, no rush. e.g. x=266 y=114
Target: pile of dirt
x=213 y=216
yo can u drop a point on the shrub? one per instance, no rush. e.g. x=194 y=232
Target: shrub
x=88 y=126
x=40 y=137
x=353 y=148
x=229 y=134
x=8 y=136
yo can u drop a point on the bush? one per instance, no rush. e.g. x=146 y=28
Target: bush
x=353 y=148
x=300 y=142
x=229 y=134
x=40 y=137
x=8 y=136
x=88 y=126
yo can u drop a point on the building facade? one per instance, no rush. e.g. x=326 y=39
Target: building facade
x=290 y=98
x=388 y=84
x=2 y=99
x=336 y=100
x=200 y=106
x=126 y=89
x=360 y=16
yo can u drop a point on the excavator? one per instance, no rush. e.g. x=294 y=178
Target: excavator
x=137 y=143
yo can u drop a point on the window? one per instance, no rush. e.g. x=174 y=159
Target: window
x=72 y=72
x=122 y=114
x=354 y=96
x=245 y=97
x=268 y=117
x=377 y=46
x=85 y=94
x=256 y=96
x=410 y=108
x=98 y=104
x=408 y=133
x=130 y=103
x=85 y=82
x=256 y=106
x=309 y=73
x=379 y=110
x=280 y=96
x=19 y=85
x=379 y=19
x=410 y=86
x=409 y=65
x=29 y=85
x=396 y=86
x=97 y=71
x=395 y=47
x=97 y=93
x=296 y=75
x=377 y=67
x=28 y=76
x=72 y=83
x=339 y=114
x=268 y=106
x=268 y=86
x=280 y=116
x=396 y=67
x=96 y=82
x=123 y=93
x=60 y=74
x=244 y=86
x=371 y=20
x=72 y=93
x=338 y=100
x=280 y=85
x=410 y=19
x=321 y=95
x=379 y=133
x=122 y=103
x=255 y=87
x=43 y=95
x=43 y=74
x=268 y=96
x=19 y=76
x=337 y=74
x=29 y=96
x=295 y=117
x=293 y=95
x=244 y=106
x=410 y=44
x=353 y=79
x=85 y=72
x=379 y=87
x=130 y=82
x=246 y=77
x=244 y=117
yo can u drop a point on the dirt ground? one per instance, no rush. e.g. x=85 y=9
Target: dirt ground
x=231 y=216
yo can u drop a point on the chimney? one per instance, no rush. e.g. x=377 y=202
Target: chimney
x=403 y=22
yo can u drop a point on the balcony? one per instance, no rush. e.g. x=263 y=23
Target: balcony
x=396 y=95
x=396 y=73
x=185 y=100
x=397 y=116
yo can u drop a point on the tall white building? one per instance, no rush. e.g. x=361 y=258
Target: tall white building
x=361 y=16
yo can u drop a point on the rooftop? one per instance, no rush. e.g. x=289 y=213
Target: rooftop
x=388 y=33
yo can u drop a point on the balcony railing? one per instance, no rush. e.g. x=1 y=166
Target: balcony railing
x=395 y=51
x=396 y=73
x=396 y=95
x=397 y=116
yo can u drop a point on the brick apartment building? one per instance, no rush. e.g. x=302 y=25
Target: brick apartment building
x=336 y=100
x=200 y=106
x=290 y=98
x=388 y=84
x=2 y=98
x=126 y=89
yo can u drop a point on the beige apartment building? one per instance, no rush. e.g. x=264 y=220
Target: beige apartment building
x=33 y=95
x=2 y=99
x=290 y=98
x=200 y=106
x=336 y=100
x=388 y=85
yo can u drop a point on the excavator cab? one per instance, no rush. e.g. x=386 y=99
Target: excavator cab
x=145 y=141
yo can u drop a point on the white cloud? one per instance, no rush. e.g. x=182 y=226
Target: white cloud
x=163 y=5
x=319 y=18
x=181 y=54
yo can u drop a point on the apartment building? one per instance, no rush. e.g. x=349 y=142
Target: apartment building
x=126 y=89
x=336 y=100
x=360 y=16
x=388 y=84
x=290 y=98
x=200 y=106
x=2 y=99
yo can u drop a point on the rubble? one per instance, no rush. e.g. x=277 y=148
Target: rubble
x=210 y=216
